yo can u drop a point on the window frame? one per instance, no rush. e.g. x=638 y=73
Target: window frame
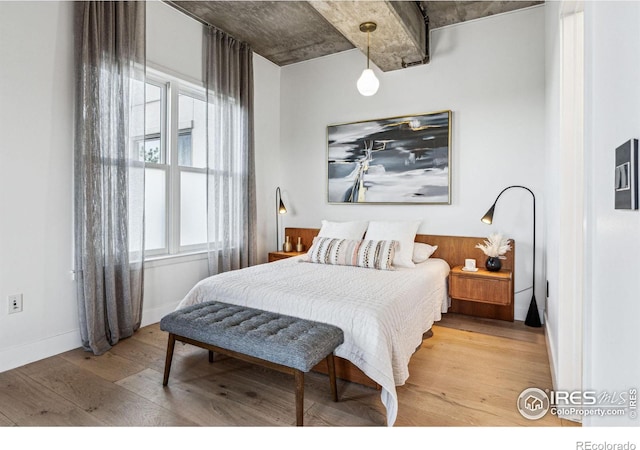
x=173 y=86
x=163 y=132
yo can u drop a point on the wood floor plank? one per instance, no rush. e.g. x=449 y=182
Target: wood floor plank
x=109 y=366
x=5 y=422
x=215 y=400
x=188 y=363
x=516 y=330
x=137 y=350
x=274 y=404
x=329 y=414
x=202 y=408
x=28 y=403
x=570 y=423
x=153 y=335
x=150 y=344
x=355 y=399
x=109 y=403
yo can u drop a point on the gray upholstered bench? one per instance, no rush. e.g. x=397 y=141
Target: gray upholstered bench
x=285 y=343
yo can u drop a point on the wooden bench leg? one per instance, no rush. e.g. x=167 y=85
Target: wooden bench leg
x=299 y=397
x=167 y=364
x=331 y=365
x=210 y=356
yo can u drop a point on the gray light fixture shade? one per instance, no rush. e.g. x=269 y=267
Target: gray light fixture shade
x=280 y=209
x=488 y=217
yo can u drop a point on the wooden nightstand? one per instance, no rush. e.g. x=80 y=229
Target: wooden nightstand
x=482 y=293
x=275 y=256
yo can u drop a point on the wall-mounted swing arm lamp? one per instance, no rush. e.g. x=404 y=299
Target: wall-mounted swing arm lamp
x=368 y=84
x=280 y=209
x=533 y=316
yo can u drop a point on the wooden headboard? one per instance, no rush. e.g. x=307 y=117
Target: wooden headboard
x=453 y=249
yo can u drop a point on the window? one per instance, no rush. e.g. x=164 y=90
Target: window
x=174 y=150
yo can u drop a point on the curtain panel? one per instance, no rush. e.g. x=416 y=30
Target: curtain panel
x=231 y=198
x=108 y=172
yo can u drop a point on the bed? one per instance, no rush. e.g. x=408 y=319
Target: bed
x=383 y=314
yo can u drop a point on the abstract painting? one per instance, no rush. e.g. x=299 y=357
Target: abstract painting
x=396 y=160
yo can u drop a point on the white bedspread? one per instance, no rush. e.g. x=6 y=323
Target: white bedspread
x=383 y=313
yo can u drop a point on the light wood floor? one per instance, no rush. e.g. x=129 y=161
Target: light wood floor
x=469 y=373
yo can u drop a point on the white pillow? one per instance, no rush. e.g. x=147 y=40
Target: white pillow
x=343 y=230
x=422 y=251
x=403 y=231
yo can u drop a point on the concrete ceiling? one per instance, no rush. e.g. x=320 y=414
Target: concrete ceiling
x=286 y=32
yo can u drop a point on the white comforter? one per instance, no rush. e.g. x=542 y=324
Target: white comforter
x=383 y=314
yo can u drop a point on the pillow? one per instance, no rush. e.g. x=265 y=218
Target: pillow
x=403 y=231
x=349 y=252
x=422 y=252
x=353 y=230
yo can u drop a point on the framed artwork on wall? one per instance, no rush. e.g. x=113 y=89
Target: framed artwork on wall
x=626 y=175
x=399 y=160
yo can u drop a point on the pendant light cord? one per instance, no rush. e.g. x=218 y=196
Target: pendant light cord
x=368 y=45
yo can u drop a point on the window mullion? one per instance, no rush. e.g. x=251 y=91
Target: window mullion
x=174 y=173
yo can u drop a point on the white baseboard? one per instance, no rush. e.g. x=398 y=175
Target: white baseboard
x=21 y=355
x=550 y=339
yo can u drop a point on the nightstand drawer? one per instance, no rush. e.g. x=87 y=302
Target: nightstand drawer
x=480 y=289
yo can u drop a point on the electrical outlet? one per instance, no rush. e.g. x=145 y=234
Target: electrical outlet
x=15 y=303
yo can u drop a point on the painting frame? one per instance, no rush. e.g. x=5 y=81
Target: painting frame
x=400 y=160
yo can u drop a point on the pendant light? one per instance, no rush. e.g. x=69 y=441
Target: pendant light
x=368 y=84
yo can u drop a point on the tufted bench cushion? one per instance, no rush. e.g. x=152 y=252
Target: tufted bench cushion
x=285 y=343
x=284 y=340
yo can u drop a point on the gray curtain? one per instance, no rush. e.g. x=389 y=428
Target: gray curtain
x=231 y=198
x=109 y=175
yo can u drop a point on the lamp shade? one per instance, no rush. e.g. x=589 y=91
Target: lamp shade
x=488 y=217
x=368 y=84
x=280 y=209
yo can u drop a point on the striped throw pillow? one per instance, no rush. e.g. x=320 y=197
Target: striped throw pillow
x=345 y=252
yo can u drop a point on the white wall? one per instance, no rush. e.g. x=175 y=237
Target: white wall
x=174 y=41
x=266 y=82
x=490 y=73
x=36 y=125
x=612 y=116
